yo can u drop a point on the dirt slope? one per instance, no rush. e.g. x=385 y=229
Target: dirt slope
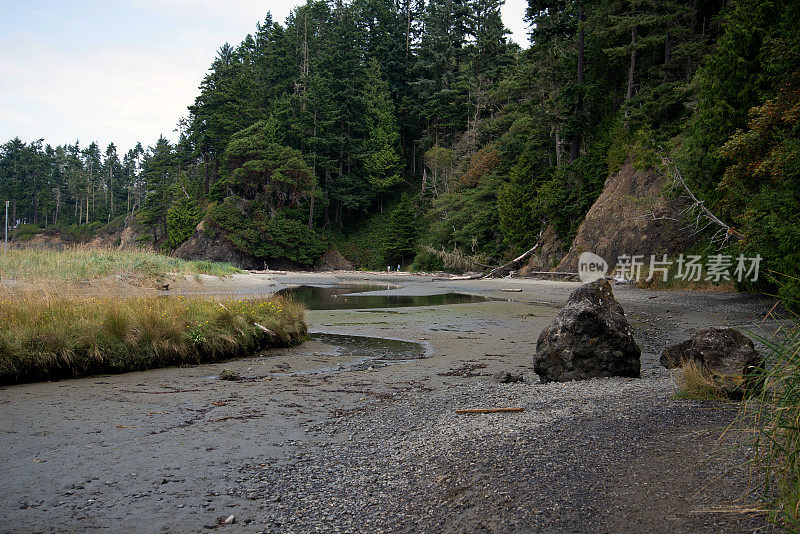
x=633 y=215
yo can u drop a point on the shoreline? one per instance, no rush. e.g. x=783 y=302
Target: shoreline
x=382 y=448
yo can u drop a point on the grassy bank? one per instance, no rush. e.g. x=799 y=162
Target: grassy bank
x=45 y=336
x=84 y=263
x=775 y=416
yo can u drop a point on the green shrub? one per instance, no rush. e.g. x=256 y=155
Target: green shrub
x=364 y=246
x=254 y=230
x=24 y=232
x=182 y=218
x=466 y=219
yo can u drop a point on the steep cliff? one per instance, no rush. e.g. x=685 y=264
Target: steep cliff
x=635 y=214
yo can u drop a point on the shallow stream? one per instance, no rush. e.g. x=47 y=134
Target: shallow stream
x=351 y=297
x=361 y=352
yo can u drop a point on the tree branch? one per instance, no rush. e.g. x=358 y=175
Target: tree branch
x=530 y=251
x=725 y=232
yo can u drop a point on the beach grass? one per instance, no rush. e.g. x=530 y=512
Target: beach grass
x=47 y=336
x=695 y=383
x=80 y=263
x=774 y=418
x=53 y=325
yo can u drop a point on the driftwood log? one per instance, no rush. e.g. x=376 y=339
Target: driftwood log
x=489 y=410
x=498 y=270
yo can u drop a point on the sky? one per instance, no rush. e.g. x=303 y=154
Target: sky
x=123 y=70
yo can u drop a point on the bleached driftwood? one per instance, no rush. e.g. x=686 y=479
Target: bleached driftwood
x=697 y=208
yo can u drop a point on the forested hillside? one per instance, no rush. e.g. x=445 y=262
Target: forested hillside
x=388 y=129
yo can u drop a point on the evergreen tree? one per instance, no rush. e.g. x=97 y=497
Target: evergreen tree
x=400 y=238
x=379 y=155
x=158 y=172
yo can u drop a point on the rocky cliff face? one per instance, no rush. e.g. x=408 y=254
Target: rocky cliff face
x=129 y=235
x=132 y=236
x=633 y=215
x=203 y=247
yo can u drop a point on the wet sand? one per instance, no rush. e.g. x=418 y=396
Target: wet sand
x=311 y=442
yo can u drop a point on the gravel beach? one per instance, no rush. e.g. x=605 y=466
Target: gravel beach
x=317 y=439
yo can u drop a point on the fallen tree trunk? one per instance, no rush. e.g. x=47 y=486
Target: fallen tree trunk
x=502 y=268
x=515 y=260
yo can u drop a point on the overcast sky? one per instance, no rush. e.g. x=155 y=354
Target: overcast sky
x=122 y=70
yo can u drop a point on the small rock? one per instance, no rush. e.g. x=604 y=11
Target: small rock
x=227 y=374
x=504 y=377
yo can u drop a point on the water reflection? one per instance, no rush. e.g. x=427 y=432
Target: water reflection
x=340 y=297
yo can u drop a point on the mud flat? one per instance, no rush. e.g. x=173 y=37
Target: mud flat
x=324 y=437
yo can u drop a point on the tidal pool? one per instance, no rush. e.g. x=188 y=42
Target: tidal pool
x=358 y=353
x=341 y=297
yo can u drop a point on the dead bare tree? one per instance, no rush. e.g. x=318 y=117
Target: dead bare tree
x=501 y=269
x=696 y=209
x=518 y=259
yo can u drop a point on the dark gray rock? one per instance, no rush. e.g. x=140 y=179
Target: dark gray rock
x=589 y=338
x=209 y=243
x=504 y=377
x=724 y=354
x=203 y=245
x=227 y=374
x=332 y=260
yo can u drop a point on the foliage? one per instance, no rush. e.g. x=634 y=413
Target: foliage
x=384 y=239
x=380 y=159
x=364 y=244
x=400 y=237
x=262 y=168
x=182 y=218
x=761 y=186
x=466 y=220
x=253 y=228
x=24 y=232
x=481 y=164
x=751 y=58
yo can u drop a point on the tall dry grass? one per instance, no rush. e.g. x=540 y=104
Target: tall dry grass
x=775 y=417
x=696 y=383
x=89 y=263
x=46 y=336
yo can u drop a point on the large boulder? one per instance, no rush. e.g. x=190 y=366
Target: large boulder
x=202 y=246
x=333 y=261
x=725 y=355
x=589 y=338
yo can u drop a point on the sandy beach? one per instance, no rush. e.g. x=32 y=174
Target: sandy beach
x=316 y=438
